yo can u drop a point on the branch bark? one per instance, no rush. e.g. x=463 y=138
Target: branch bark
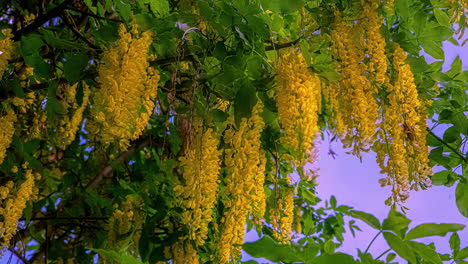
x=40 y=20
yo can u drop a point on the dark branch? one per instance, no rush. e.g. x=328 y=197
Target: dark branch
x=92 y=15
x=108 y=169
x=18 y=255
x=40 y=20
x=78 y=34
x=81 y=218
x=193 y=56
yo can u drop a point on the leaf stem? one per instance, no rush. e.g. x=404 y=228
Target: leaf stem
x=385 y=252
x=372 y=241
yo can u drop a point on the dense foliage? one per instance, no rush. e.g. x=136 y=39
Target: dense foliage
x=147 y=131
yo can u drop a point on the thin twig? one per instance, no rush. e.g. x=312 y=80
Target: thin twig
x=372 y=241
x=18 y=255
x=92 y=15
x=385 y=252
x=448 y=146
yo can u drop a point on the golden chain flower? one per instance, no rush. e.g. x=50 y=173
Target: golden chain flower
x=402 y=150
x=199 y=190
x=359 y=109
x=6 y=49
x=12 y=206
x=128 y=86
x=299 y=101
x=244 y=161
x=7 y=131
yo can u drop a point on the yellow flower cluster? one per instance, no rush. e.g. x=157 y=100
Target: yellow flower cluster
x=123 y=221
x=7 y=131
x=298 y=101
x=358 y=109
x=282 y=215
x=6 y=49
x=375 y=43
x=67 y=126
x=183 y=252
x=199 y=190
x=128 y=86
x=402 y=150
x=245 y=166
x=12 y=205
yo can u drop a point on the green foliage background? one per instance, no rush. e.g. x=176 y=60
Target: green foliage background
x=230 y=59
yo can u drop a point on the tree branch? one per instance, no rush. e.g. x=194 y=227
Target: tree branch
x=92 y=15
x=108 y=169
x=40 y=20
x=192 y=56
x=18 y=255
x=78 y=34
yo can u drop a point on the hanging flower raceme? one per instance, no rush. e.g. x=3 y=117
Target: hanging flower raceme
x=6 y=132
x=66 y=125
x=6 y=49
x=12 y=204
x=128 y=85
x=282 y=213
x=298 y=101
x=358 y=109
x=198 y=191
x=375 y=43
x=402 y=150
x=245 y=166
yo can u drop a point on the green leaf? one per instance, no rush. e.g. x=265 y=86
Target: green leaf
x=159 y=7
x=425 y=230
x=74 y=66
x=462 y=254
x=461 y=197
x=396 y=222
x=451 y=134
x=15 y=85
x=30 y=44
x=367 y=218
x=244 y=102
x=390 y=257
x=124 y=9
x=218 y=115
x=334 y=259
x=441 y=177
x=265 y=247
x=329 y=247
x=455 y=68
x=441 y=17
x=433 y=48
x=426 y=252
x=454 y=243
x=399 y=246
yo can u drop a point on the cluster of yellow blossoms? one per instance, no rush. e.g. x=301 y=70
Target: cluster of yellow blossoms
x=124 y=221
x=245 y=166
x=128 y=85
x=201 y=176
x=282 y=213
x=402 y=151
x=68 y=124
x=396 y=129
x=12 y=204
x=6 y=49
x=7 y=131
x=299 y=102
x=358 y=110
x=183 y=252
